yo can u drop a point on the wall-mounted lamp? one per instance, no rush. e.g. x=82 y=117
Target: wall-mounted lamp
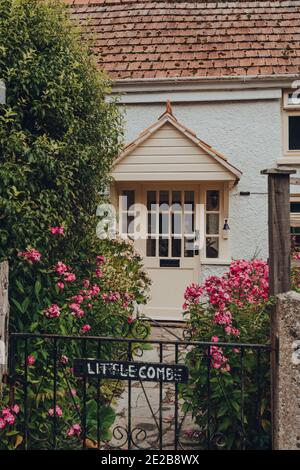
x=226 y=229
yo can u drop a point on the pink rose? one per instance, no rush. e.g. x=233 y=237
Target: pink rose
x=85 y=328
x=32 y=255
x=64 y=359
x=30 y=360
x=5 y=412
x=60 y=267
x=16 y=409
x=74 y=430
x=58 y=411
x=57 y=230
x=10 y=419
x=60 y=285
x=94 y=290
x=99 y=273
x=78 y=298
x=2 y=423
x=100 y=260
x=76 y=310
x=52 y=312
x=69 y=277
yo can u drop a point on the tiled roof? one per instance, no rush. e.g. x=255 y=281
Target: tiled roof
x=161 y=39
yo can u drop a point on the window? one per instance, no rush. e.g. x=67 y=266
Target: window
x=294 y=132
x=170 y=224
x=292 y=99
x=291 y=124
x=212 y=232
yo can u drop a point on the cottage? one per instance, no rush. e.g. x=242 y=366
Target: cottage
x=210 y=94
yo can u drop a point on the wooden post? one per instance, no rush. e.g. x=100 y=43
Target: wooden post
x=279 y=264
x=4 y=319
x=279 y=229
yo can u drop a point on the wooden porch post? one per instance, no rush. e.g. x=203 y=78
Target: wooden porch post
x=279 y=229
x=279 y=266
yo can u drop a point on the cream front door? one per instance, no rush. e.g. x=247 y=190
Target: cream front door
x=171 y=256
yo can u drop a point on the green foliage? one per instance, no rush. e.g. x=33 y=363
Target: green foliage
x=120 y=273
x=228 y=392
x=58 y=138
x=58 y=135
x=106 y=288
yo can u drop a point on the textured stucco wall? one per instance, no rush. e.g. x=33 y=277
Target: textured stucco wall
x=249 y=134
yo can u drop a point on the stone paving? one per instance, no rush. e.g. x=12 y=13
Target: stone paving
x=145 y=404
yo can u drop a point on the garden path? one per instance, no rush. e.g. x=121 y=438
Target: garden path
x=144 y=424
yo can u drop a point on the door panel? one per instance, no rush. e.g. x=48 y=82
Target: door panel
x=167 y=290
x=169 y=250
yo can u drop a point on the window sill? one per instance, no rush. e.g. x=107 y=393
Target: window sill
x=289 y=160
x=215 y=261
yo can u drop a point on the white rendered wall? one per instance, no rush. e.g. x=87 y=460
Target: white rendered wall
x=249 y=134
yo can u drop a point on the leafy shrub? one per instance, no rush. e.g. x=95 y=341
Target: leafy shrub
x=58 y=138
x=58 y=134
x=97 y=296
x=228 y=393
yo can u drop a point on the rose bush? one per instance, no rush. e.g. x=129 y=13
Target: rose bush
x=96 y=290
x=228 y=393
x=97 y=295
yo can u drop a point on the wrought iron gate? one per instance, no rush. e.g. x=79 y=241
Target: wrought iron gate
x=61 y=411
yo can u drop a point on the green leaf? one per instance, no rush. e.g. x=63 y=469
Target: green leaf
x=16 y=303
x=107 y=416
x=33 y=326
x=37 y=288
x=20 y=286
x=25 y=304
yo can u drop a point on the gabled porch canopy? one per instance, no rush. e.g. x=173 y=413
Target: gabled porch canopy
x=168 y=151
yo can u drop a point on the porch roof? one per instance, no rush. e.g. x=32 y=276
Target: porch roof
x=169 y=151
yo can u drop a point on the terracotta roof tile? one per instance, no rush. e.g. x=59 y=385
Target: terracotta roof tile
x=169 y=38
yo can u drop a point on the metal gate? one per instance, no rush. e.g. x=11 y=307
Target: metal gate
x=62 y=411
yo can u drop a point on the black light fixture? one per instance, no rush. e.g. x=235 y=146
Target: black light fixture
x=226 y=229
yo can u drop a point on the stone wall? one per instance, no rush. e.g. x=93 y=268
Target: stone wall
x=286 y=373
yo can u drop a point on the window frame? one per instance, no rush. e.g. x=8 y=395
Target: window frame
x=287 y=111
x=224 y=187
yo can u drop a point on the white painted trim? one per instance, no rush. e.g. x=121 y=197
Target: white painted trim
x=176 y=96
x=215 y=261
x=256 y=81
x=288 y=160
x=290 y=156
x=286 y=104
